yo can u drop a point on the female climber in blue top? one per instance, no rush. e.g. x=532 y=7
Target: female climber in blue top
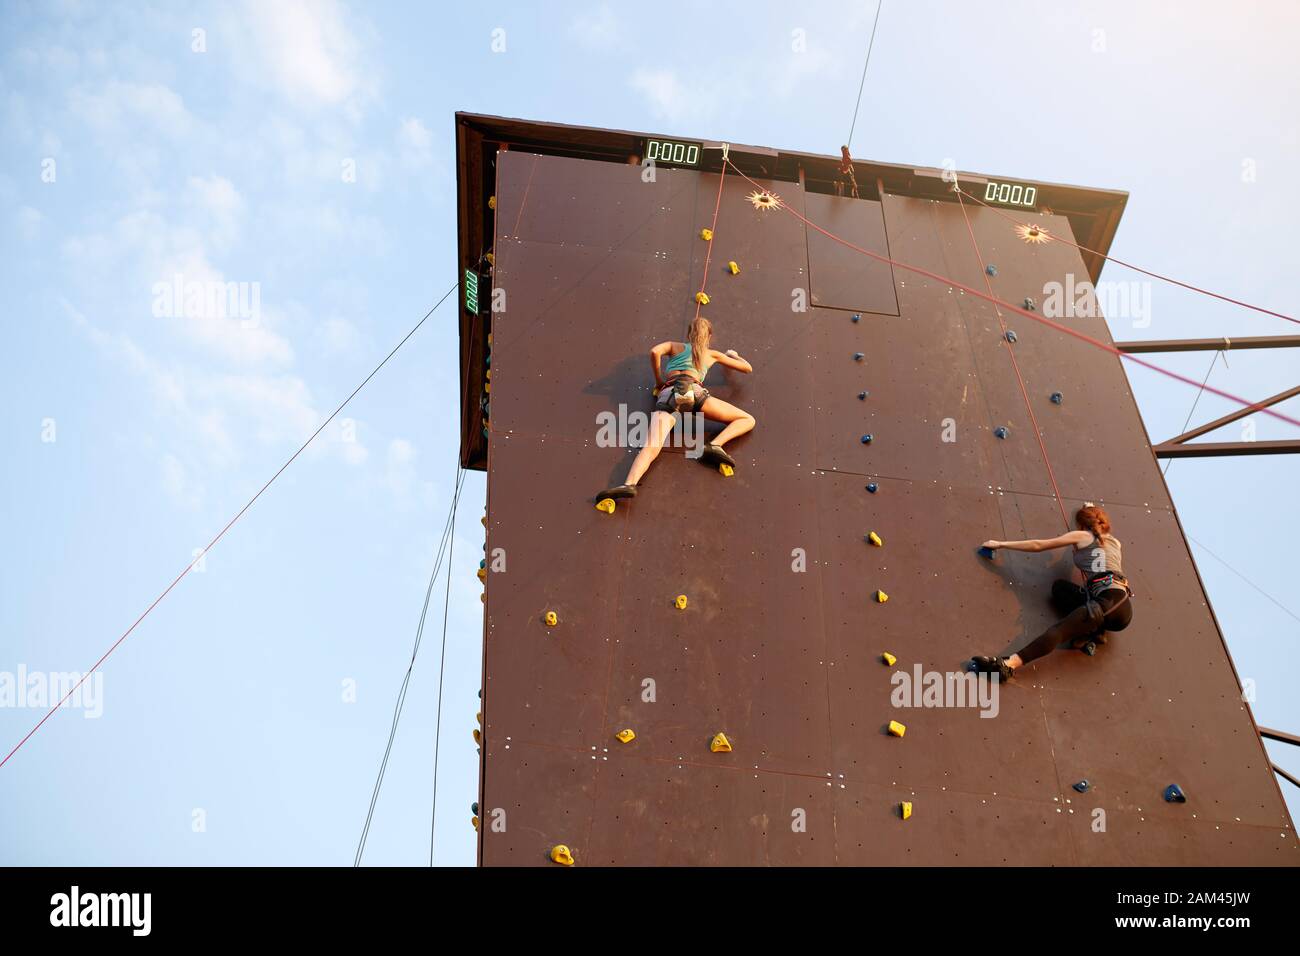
x=679 y=388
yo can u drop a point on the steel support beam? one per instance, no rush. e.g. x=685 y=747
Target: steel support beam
x=1227 y=449
x=1240 y=413
x=1211 y=345
x=1279 y=735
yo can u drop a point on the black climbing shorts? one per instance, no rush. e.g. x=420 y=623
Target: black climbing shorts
x=681 y=395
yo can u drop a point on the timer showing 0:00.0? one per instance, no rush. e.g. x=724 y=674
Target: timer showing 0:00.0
x=1011 y=195
x=671 y=151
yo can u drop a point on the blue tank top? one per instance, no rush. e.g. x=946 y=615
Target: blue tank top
x=683 y=361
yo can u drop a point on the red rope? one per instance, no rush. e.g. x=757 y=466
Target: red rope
x=1024 y=392
x=1254 y=406
x=713 y=230
x=1127 y=265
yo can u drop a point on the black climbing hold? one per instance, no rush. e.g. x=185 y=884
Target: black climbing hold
x=1029 y=303
x=1090 y=648
x=866 y=439
x=873 y=487
x=1083 y=786
x=1011 y=335
x=857 y=317
x=1174 y=794
x=1057 y=398
x=480 y=694
x=986 y=553
x=991 y=269
x=858 y=356
x=862 y=396
x=1000 y=431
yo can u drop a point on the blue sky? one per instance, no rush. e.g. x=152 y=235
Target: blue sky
x=305 y=150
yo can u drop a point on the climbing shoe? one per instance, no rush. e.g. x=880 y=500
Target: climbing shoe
x=993 y=665
x=618 y=491
x=716 y=455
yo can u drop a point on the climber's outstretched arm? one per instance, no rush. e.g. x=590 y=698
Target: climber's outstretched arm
x=1043 y=544
x=731 y=359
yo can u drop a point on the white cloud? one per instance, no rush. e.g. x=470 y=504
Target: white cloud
x=217 y=198
x=414 y=144
x=309 y=51
x=670 y=99
x=598 y=29
x=119 y=107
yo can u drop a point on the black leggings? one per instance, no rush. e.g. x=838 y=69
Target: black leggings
x=1072 y=600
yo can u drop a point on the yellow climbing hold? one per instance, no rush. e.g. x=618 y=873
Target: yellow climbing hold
x=905 y=808
x=552 y=619
x=706 y=234
x=492 y=202
x=881 y=597
x=875 y=539
x=474 y=820
x=482 y=574
x=701 y=298
x=491 y=258
x=680 y=602
x=484 y=520
x=896 y=729
x=626 y=736
x=606 y=505
x=478 y=736
x=727 y=470
x=560 y=854
x=720 y=744
x=889 y=658
x=735 y=269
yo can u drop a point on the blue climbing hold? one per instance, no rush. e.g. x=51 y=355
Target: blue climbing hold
x=1001 y=431
x=866 y=439
x=1057 y=398
x=991 y=269
x=474 y=808
x=1029 y=303
x=856 y=317
x=1083 y=786
x=873 y=487
x=986 y=553
x=862 y=396
x=483 y=563
x=1011 y=335
x=1174 y=794
x=858 y=356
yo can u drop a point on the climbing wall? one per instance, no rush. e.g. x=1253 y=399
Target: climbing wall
x=780 y=644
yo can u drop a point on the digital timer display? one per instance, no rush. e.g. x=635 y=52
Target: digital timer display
x=1011 y=194
x=675 y=152
x=471 y=291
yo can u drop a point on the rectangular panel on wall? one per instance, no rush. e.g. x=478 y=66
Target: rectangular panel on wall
x=843 y=278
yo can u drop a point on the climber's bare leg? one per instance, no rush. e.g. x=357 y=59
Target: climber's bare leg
x=661 y=423
x=738 y=420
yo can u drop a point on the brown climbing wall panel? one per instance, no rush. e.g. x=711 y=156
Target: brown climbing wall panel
x=596 y=266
